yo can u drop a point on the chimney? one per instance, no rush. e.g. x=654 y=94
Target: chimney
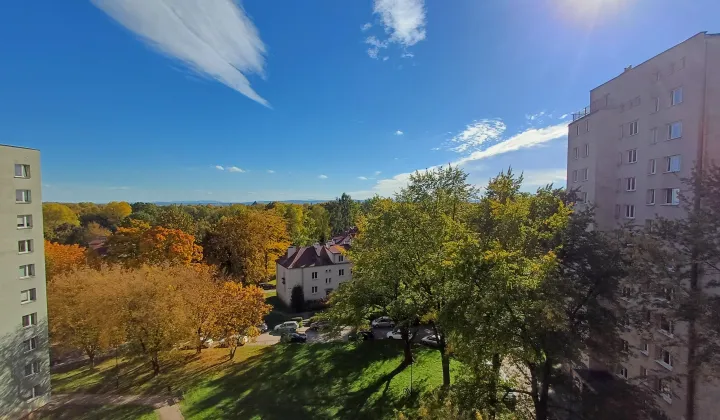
x=291 y=250
x=628 y=68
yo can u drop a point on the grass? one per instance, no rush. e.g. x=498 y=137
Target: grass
x=109 y=412
x=312 y=381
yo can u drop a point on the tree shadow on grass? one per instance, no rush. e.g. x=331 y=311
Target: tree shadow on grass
x=313 y=381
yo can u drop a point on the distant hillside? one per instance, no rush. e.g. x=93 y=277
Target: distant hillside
x=222 y=203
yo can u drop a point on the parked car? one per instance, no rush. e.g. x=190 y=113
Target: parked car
x=287 y=327
x=319 y=325
x=363 y=335
x=263 y=328
x=396 y=335
x=241 y=340
x=383 y=322
x=297 y=338
x=431 y=340
x=267 y=286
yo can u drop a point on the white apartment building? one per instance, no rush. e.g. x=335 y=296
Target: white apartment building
x=318 y=269
x=24 y=355
x=628 y=151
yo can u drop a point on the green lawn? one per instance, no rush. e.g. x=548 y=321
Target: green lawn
x=313 y=381
x=105 y=412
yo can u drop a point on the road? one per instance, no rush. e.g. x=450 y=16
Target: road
x=270 y=338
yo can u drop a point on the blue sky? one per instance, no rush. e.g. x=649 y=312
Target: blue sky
x=145 y=100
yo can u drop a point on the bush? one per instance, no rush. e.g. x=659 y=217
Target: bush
x=297 y=319
x=316 y=305
x=297 y=299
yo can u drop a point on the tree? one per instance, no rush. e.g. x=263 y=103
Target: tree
x=56 y=215
x=142 y=244
x=175 y=217
x=62 y=259
x=342 y=213
x=297 y=298
x=202 y=298
x=297 y=225
x=116 y=211
x=246 y=246
x=77 y=320
x=320 y=223
x=241 y=310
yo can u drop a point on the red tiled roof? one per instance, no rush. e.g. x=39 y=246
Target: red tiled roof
x=310 y=256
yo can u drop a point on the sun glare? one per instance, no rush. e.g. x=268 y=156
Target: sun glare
x=589 y=10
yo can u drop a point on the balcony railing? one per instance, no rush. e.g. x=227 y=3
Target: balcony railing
x=583 y=112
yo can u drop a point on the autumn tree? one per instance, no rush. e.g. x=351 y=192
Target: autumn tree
x=82 y=311
x=297 y=225
x=56 y=215
x=246 y=246
x=241 y=310
x=116 y=211
x=201 y=294
x=155 y=245
x=175 y=217
x=62 y=259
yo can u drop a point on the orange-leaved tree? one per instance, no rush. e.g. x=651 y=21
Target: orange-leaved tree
x=142 y=244
x=241 y=310
x=61 y=259
x=201 y=295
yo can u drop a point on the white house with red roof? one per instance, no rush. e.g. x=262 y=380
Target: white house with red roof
x=319 y=269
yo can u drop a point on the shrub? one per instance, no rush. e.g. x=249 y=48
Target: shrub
x=297 y=299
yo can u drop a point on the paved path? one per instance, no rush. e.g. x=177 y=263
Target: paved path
x=165 y=406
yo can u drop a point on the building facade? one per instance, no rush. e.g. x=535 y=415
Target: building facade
x=644 y=131
x=24 y=354
x=318 y=269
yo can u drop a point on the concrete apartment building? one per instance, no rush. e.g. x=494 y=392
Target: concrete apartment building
x=24 y=355
x=643 y=132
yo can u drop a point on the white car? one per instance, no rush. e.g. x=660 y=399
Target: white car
x=396 y=335
x=431 y=340
x=383 y=322
x=287 y=326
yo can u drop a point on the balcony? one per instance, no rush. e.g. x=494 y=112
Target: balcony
x=580 y=114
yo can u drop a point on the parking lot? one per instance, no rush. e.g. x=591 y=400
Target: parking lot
x=270 y=337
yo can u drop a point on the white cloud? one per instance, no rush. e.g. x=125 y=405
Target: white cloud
x=407 y=55
x=235 y=169
x=323 y=177
x=366 y=26
x=376 y=45
x=362 y=178
x=377 y=173
x=435 y=149
x=476 y=134
x=404 y=20
x=270 y=171
x=544 y=177
x=215 y=39
x=399 y=133
x=563 y=116
x=386 y=58
x=219 y=168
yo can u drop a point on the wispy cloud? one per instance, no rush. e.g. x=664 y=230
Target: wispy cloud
x=366 y=26
x=235 y=169
x=407 y=55
x=270 y=171
x=399 y=133
x=219 y=168
x=377 y=173
x=476 y=135
x=375 y=46
x=362 y=178
x=404 y=20
x=533 y=117
x=386 y=58
x=322 y=176
x=214 y=39
x=563 y=116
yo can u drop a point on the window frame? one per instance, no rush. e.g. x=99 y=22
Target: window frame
x=575 y=175
x=673 y=194
x=670 y=130
x=34 y=368
x=24 y=171
x=630 y=184
x=29 y=296
x=669 y=166
x=26 y=194
x=585 y=174
x=632 y=153
x=672 y=96
x=635 y=125
x=314 y=290
x=314 y=275
x=32 y=320
x=628 y=213
x=29 y=246
x=27 y=221
x=657 y=104
x=650 y=197
x=645 y=346
x=30 y=344
x=576 y=152
x=586 y=151
x=652 y=163
x=29 y=271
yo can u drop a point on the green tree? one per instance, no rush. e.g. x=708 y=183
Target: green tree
x=342 y=213
x=175 y=217
x=116 y=211
x=297 y=298
x=320 y=223
x=56 y=215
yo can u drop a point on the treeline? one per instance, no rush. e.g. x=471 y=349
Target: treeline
x=520 y=288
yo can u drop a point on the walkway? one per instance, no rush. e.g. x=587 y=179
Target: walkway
x=165 y=406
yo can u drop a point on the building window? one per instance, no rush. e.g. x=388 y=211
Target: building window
x=30 y=344
x=585 y=174
x=22 y=196
x=313 y=275
x=630 y=184
x=27 y=296
x=341 y=258
x=313 y=289
x=327 y=280
x=650 y=198
x=587 y=150
x=29 y=320
x=645 y=348
x=676 y=97
x=576 y=152
x=32 y=368
x=666 y=359
x=633 y=128
x=675 y=130
x=666 y=326
x=622 y=131
x=622 y=371
x=583 y=197
x=630 y=211
x=672 y=163
x=34 y=392
x=574 y=176
x=651 y=166
x=671 y=196
x=577 y=129
x=625 y=346
x=663 y=387
x=22 y=171
x=657 y=104
x=341 y=272
x=643 y=371
x=587 y=125
x=25 y=246
x=328 y=291
x=653 y=136
x=27 y=270
x=632 y=156
x=24 y=221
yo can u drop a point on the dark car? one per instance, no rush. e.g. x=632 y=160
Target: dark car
x=263 y=328
x=297 y=338
x=361 y=335
x=267 y=286
x=319 y=325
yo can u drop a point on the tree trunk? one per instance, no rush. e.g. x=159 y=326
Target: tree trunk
x=494 y=385
x=541 y=406
x=91 y=356
x=408 y=349
x=199 y=347
x=155 y=365
x=232 y=352
x=692 y=342
x=445 y=360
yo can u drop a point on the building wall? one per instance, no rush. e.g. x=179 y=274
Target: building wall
x=303 y=277
x=693 y=65
x=13 y=382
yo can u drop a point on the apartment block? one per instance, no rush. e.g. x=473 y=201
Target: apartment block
x=24 y=355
